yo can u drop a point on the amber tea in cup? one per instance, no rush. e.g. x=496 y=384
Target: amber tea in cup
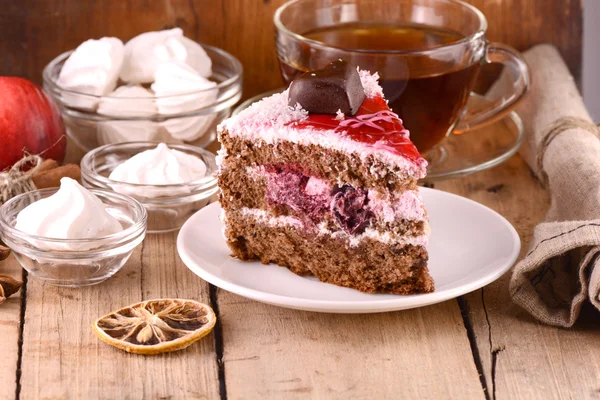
x=427 y=52
x=428 y=105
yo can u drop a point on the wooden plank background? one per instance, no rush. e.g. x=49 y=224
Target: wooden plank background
x=260 y=351
x=10 y=332
x=281 y=354
x=62 y=358
x=521 y=358
x=33 y=32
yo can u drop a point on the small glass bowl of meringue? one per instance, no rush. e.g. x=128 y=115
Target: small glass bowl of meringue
x=171 y=181
x=71 y=236
x=159 y=86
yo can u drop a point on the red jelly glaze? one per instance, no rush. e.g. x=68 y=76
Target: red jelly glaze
x=385 y=133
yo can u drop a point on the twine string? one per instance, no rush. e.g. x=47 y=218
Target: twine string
x=15 y=181
x=556 y=128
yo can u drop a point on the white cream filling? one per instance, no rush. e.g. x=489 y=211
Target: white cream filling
x=266 y=218
x=354 y=240
x=373 y=234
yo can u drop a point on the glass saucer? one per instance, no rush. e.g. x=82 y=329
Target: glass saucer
x=460 y=155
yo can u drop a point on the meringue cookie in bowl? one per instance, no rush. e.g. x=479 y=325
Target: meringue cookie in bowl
x=129 y=114
x=160 y=166
x=181 y=90
x=71 y=236
x=188 y=128
x=145 y=52
x=127 y=102
x=157 y=171
x=172 y=182
x=73 y=212
x=115 y=131
x=93 y=68
x=197 y=58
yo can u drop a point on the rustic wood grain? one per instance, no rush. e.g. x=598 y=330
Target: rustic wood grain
x=10 y=326
x=421 y=345
x=522 y=358
x=524 y=23
x=271 y=352
x=62 y=358
x=274 y=353
x=34 y=32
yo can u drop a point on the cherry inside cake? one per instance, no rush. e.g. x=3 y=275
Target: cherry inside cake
x=322 y=179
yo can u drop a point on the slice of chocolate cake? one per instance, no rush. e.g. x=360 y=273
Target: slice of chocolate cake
x=325 y=193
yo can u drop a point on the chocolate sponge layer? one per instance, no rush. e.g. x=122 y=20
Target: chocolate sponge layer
x=331 y=165
x=370 y=267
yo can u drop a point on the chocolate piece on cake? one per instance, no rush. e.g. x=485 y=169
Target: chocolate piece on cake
x=332 y=196
x=337 y=87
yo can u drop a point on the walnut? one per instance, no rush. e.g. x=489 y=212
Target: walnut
x=4 y=251
x=8 y=287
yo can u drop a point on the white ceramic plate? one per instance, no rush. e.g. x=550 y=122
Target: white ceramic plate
x=470 y=247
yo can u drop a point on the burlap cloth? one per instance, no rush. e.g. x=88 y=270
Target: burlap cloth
x=561 y=268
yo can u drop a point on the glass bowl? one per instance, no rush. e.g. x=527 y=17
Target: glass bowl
x=121 y=122
x=74 y=262
x=168 y=206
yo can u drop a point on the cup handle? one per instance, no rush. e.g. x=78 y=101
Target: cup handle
x=497 y=109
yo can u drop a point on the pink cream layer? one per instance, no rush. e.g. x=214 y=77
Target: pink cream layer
x=404 y=206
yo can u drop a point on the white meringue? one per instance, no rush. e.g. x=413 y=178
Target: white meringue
x=73 y=212
x=112 y=132
x=145 y=52
x=180 y=89
x=158 y=166
x=188 y=128
x=197 y=58
x=129 y=101
x=93 y=68
x=176 y=79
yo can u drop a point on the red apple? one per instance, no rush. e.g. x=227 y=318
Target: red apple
x=29 y=122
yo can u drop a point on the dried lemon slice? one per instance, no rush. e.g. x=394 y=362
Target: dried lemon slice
x=156 y=326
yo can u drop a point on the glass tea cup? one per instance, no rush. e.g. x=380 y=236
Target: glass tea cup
x=428 y=54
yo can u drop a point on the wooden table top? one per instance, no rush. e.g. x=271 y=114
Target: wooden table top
x=478 y=346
